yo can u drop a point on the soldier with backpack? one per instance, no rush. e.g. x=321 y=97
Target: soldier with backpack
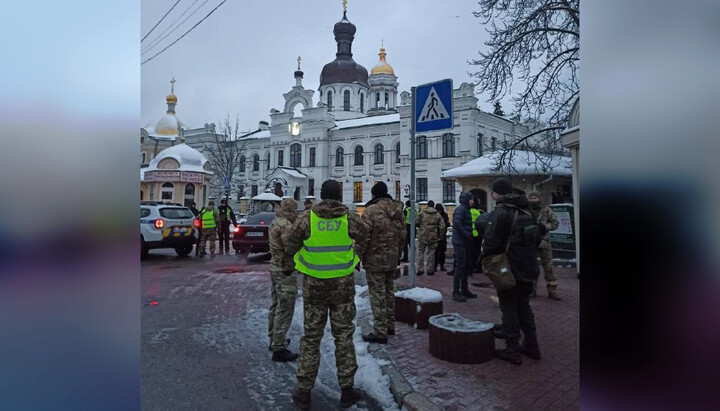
x=513 y=226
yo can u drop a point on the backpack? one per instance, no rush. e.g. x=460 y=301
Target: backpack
x=526 y=232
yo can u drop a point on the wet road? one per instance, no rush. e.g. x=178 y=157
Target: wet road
x=204 y=338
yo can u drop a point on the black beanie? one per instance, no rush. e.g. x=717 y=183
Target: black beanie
x=330 y=190
x=502 y=186
x=379 y=189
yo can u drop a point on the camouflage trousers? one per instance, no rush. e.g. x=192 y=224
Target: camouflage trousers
x=283 y=292
x=333 y=297
x=382 y=301
x=430 y=247
x=208 y=234
x=546 y=261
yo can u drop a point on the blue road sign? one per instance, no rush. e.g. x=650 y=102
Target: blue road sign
x=433 y=106
x=226 y=183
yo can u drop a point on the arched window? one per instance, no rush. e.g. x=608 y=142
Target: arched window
x=166 y=192
x=358 y=156
x=362 y=103
x=295 y=155
x=256 y=162
x=377 y=99
x=493 y=144
x=346 y=100
x=379 y=154
x=421 y=147
x=242 y=164
x=397 y=152
x=387 y=99
x=267 y=161
x=329 y=100
x=480 y=144
x=448 y=142
x=339 y=157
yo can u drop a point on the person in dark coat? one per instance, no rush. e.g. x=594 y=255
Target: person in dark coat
x=442 y=244
x=514 y=303
x=461 y=240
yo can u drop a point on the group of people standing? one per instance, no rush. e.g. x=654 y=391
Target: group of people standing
x=325 y=243
x=214 y=224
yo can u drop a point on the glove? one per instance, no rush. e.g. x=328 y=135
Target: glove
x=543 y=229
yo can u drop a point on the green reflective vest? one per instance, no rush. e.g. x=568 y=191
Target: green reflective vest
x=407 y=215
x=208 y=219
x=328 y=252
x=474 y=214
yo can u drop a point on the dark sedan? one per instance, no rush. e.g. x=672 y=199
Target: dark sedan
x=252 y=235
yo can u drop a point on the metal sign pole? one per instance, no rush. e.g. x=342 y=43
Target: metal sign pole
x=412 y=270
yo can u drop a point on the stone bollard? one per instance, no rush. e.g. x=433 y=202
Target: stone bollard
x=459 y=340
x=416 y=305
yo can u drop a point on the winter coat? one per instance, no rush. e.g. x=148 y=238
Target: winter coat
x=386 y=232
x=357 y=230
x=223 y=215
x=430 y=225
x=522 y=258
x=547 y=218
x=462 y=221
x=446 y=220
x=280 y=260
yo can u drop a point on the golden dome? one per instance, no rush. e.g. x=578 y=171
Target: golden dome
x=171 y=99
x=382 y=66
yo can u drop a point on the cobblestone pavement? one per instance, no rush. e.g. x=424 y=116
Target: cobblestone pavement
x=552 y=383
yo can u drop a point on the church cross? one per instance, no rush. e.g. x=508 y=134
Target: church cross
x=298 y=60
x=172 y=85
x=344 y=6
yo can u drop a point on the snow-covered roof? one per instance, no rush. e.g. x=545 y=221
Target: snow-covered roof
x=293 y=172
x=267 y=197
x=523 y=162
x=367 y=121
x=257 y=135
x=189 y=159
x=152 y=133
x=420 y=294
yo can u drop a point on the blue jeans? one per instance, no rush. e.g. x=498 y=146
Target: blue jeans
x=460 y=283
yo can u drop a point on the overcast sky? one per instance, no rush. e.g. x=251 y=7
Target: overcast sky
x=241 y=59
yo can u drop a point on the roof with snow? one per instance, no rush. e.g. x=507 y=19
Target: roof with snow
x=523 y=162
x=266 y=196
x=188 y=158
x=256 y=135
x=367 y=121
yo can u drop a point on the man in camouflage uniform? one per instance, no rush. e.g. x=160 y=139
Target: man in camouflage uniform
x=431 y=227
x=548 y=220
x=387 y=240
x=209 y=220
x=330 y=294
x=283 y=282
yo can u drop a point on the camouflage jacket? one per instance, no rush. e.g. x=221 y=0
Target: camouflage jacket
x=300 y=231
x=430 y=225
x=547 y=217
x=386 y=226
x=280 y=228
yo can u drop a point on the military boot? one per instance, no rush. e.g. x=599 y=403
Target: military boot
x=349 y=397
x=284 y=355
x=459 y=298
x=301 y=397
x=530 y=345
x=511 y=352
x=533 y=294
x=468 y=294
x=552 y=294
x=375 y=338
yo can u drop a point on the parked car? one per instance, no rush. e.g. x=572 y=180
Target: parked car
x=252 y=235
x=167 y=225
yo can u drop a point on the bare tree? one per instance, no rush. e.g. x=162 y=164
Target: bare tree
x=538 y=43
x=225 y=151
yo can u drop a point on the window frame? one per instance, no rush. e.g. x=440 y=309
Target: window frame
x=295 y=155
x=448 y=145
x=379 y=154
x=422 y=189
x=448 y=191
x=339 y=157
x=358 y=155
x=357 y=191
x=313 y=154
x=421 y=148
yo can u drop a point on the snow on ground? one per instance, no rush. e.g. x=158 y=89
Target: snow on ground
x=421 y=295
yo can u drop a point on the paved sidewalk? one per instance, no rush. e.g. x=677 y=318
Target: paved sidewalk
x=552 y=383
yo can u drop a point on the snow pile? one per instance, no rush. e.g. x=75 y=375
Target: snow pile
x=365 y=121
x=421 y=295
x=456 y=323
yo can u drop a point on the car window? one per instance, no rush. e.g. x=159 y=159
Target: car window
x=261 y=219
x=144 y=212
x=176 y=212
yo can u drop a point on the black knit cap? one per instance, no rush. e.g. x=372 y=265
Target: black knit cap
x=379 y=189
x=330 y=190
x=502 y=186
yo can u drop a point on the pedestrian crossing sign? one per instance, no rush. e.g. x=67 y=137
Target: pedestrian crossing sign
x=433 y=106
